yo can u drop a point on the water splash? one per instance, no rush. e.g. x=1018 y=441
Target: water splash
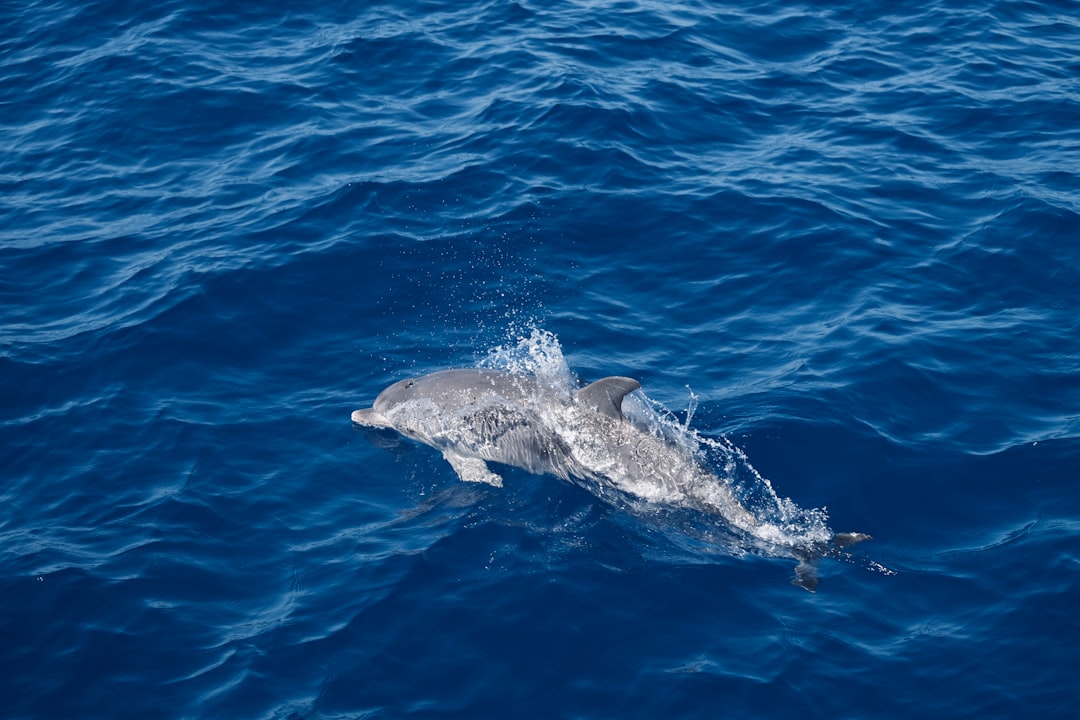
x=691 y=407
x=538 y=354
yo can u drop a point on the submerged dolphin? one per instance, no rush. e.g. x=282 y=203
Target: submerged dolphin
x=476 y=416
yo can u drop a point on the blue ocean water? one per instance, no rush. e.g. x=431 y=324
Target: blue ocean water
x=850 y=234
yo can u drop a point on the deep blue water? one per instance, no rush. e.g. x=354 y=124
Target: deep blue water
x=853 y=232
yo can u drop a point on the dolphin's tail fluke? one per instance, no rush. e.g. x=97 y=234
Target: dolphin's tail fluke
x=806 y=575
x=845 y=540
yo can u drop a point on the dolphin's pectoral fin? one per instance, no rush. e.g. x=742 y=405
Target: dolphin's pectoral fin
x=472 y=469
x=606 y=395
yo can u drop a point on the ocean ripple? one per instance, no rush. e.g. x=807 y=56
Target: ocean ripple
x=847 y=234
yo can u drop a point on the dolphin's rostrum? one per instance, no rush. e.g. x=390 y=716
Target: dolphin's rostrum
x=475 y=416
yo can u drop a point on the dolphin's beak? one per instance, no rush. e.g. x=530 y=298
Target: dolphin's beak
x=369 y=418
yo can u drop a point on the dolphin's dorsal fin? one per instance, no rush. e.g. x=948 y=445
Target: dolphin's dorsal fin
x=606 y=395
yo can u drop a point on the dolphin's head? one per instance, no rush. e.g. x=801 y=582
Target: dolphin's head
x=390 y=398
x=444 y=394
x=400 y=392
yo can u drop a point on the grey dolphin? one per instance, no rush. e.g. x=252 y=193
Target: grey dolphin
x=475 y=416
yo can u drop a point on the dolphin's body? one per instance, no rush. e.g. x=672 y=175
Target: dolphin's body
x=476 y=416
